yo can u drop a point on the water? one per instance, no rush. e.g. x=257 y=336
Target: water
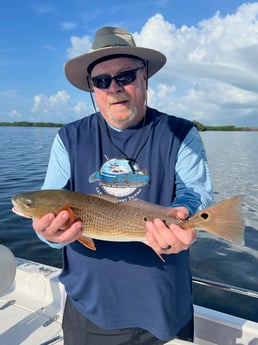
x=233 y=163
x=24 y=154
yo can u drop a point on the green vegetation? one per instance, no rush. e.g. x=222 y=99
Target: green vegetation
x=31 y=124
x=230 y=128
x=198 y=125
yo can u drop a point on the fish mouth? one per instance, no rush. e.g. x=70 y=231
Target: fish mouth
x=19 y=212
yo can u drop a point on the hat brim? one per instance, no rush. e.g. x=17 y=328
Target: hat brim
x=76 y=69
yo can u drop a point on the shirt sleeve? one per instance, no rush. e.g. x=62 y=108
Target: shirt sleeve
x=193 y=180
x=57 y=176
x=58 y=171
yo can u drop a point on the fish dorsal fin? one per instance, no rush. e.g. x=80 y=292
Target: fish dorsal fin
x=106 y=197
x=147 y=206
x=137 y=204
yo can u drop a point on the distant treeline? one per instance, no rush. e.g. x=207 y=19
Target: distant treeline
x=31 y=124
x=198 y=125
x=230 y=128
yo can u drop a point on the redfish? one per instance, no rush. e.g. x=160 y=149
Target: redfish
x=105 y=218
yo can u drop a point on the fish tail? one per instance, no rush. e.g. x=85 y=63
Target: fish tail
x=223 y=219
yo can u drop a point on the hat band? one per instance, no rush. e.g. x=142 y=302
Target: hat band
x=110 y=57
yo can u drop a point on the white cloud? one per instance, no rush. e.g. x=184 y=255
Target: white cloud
x=59 y=108
x=60 y=98
x=211 y=73
x=54 y=104
x=48 y=47
x=68 y=25
x=15 y=115
x=78 y=46
x=81 y=108
x=213 y=66
x=8 y=100
x=43 y=8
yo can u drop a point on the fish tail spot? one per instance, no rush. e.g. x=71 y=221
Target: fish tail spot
x=204 y=215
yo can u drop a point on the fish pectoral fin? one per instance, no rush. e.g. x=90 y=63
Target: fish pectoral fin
x=87 y=242
x=72 y=218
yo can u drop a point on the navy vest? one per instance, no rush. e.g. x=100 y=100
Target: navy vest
x=124 y=285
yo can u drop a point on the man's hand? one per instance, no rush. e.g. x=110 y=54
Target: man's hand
x=170 y=239
x=53 y=228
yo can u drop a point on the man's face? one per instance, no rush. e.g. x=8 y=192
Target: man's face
x=121 y=105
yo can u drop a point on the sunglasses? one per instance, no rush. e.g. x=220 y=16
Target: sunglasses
x=122 y=78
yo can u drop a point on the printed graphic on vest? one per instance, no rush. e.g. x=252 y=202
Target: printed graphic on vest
x=120 y=177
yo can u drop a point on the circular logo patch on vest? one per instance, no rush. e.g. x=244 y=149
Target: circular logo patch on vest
x=120 y=177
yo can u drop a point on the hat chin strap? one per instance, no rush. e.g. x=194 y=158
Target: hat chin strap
x=91 y=95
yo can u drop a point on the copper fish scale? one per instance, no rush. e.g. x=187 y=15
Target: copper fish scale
x=115 y=222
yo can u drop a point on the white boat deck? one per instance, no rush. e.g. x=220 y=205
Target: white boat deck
x=31 y=309
x=31 y=313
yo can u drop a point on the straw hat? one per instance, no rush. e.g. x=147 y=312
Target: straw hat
x=108 y=42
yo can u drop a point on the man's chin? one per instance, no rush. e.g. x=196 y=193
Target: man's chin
x=122 y=118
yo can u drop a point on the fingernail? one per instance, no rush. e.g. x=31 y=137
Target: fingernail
x=65 y=216
x=51 y=217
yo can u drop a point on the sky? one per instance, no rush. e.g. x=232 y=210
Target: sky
x=211 y=74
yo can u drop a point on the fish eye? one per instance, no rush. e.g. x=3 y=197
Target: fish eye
x=28 y=203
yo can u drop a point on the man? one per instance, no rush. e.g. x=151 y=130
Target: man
x=122 y=293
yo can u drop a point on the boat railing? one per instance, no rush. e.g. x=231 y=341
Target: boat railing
x=225 y=287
